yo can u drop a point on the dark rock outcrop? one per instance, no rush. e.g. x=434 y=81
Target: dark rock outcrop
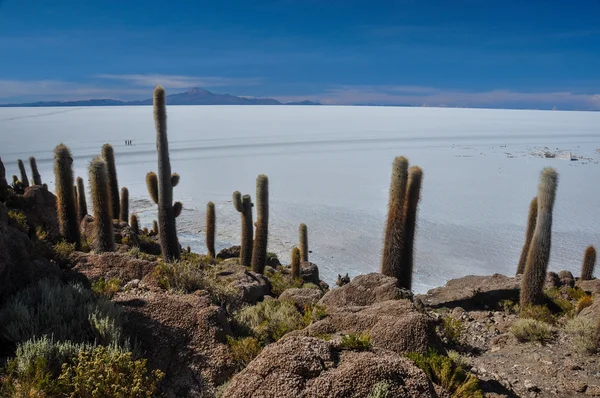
x=309 y=272
x=39 y=206
x=230 y=252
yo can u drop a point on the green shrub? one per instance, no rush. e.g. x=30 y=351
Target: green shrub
x=136 y=252
x=310 y=285
x=18 y=219
x=314 y=313
x=380 y=390
x=458 y=359
x=244 y=349
x=106 y=288
x=576 y=293
x=583 y=302
x=65 y=311
x=446 y=373
x=106 y=373
x=356 y=342
x=270 y=320
x=583 y=332
x=509 y=306
x=452 y=329
x=529 y=329
x=62 y=251
x=272 y=256
x=281 y=282
x=537 y=312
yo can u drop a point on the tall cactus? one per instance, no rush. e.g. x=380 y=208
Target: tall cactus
x=259 y=251
x=211 y=221
x=244 y=206
x=531 y=219
x=37 y=179
x=532 y=284
x=3 y=182
x=393 y=245
x=124 y=210
x=134 y=224
x=166 y=216
x=295 y=263
x=589 y=261
x=65 y=205
x=24 y=178
x=303 y=242
x=154 y=229
x=413 y=195
x=82 y=210
x=101 y=201
x=108 y=154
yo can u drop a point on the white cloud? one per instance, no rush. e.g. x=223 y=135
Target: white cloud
x=179 y=81
x=39 y=90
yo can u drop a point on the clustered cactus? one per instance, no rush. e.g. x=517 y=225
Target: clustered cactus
x=243 y=204
x=211 y=220
x=37 y=179
x=65 y=197
x=538 y=256
x=259 y=251
x=405 y=188
x=531 y=220
x=101 y=200
x=160 y=186
x=24 y=180
x=589 y=261
x=3 y=182
x=108 y=154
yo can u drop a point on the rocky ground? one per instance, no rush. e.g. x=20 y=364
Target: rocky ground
x=358 y=340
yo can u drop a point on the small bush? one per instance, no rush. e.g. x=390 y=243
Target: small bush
x=583 y=331
x=310 y=285
x=106 y=288
x=380 y=390
x=531 y=330
x=18 y=219
x=137 y=253
x=272 y=256
x=281 y=282
x=452 y=329
x=458 y=359
x=444 y=372
x=576 y=293
x=583 y=302
x=314 y=313
x=270 y=320
x=244 y=350
x=509 y=306
x=537 y=312
x=106 y=373
x=66 y=311
x=356 y=342
x=62 y=251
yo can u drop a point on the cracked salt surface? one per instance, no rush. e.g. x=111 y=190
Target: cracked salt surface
x=329 y=167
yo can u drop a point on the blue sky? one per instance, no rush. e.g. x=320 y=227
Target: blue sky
x=480 y=53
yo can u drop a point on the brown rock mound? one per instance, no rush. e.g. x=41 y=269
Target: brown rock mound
x=365 y=290
x=592 y=286
x=111 y=265
x=309 y=367
x=302 y=297
x=40 y=209
x=184 y=336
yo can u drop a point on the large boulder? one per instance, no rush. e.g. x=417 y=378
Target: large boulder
x=566 y=278
x=393 y=325
x=184 y=336
x=40 y=209
x=252 y=287
x=302 y=297
x=365 y=290
x=474 y=292
x=111 y=265
x=591 y=286
x=309 y=272
x=230 y=252
x=310 y=367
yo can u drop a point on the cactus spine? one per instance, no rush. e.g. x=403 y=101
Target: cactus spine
x=108 y=154
x=167 y=231
x=24 y=179
x=244 y=206
x=124 y=210
x=66 y=207
x=589 y=261
x=303 y=242
x=211 y=220
x=37 y=179
x=101 y=201
x=533 y=209
x=81 y=202
x=413 y=195
x=259 y=251
x=296 y=263
x=393 y=245
x=133 y=223
x=538 y=256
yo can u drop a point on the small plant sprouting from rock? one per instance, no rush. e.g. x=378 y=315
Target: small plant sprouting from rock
x=527 y=329
x=23 y=172
x=538 y=256
x=356 y=341
x=259 y=251
x=244 y=206
x=108 y=154
x=589 y=262
x=303 y=232
x=65 y=197
x=211 y=221
x=37 y=179
x=103 y=219
x=296 y=263
x=244 y=350
x=531 y=220
x=453 y=329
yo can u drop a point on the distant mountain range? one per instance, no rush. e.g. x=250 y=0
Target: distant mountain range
x=195 y=96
